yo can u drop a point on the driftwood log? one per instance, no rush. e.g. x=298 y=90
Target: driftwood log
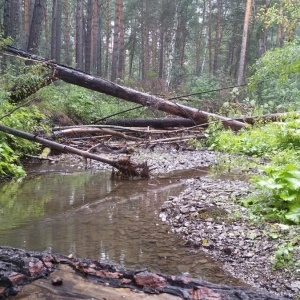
x=101 y=85
x=18 y=267
x=125 y=166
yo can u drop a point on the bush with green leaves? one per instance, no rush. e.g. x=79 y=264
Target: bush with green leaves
x=277 y=196
x=12 y=147
x=277 y=79
x=258 y=141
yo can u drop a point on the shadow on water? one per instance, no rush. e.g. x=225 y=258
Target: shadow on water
x=89 y=215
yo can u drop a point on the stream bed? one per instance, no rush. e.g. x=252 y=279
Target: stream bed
x=64 y=210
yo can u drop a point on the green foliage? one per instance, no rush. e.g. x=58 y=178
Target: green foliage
x=4 y=41
x=202 y=84
x=8 y=162
x=285 y=13
x=277 y=196
x=276 y=79
x=280 y=193
x=284 y=255
x=11 y=147
x=258 y=141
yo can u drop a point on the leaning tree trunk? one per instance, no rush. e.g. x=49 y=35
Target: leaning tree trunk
x=125 y=166
x=107 y=87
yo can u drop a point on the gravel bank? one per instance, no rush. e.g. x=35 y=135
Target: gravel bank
x=208 y=216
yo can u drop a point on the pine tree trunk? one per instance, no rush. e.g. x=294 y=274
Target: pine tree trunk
x=161 y=54
x=199 y=42
x=56 y=30
x=36 y=26
x=121 y=63
x=210 y=37
x=67 y=34
x=79 y=35
x=218 y=38
x=88 y=38
x=98 y=50
x=26 y=21
x=116 y=46
x=107 y=17
x=244 y=43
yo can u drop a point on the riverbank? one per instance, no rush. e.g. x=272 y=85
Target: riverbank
x=208 y=216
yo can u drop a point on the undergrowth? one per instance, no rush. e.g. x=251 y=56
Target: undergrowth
x=277 y=186
x=12 y=147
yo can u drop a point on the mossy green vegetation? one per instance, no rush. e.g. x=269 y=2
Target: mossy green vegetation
x=11 y=147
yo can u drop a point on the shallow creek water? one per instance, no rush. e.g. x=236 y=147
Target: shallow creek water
x=63 y=210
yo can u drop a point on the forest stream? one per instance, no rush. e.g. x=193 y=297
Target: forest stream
x=87 y=214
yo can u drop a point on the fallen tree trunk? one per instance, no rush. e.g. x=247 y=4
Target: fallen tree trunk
x=19 y=267
x=85 y=130
x=155 y=123
x=20 y=92
x=125 y=166
x=98 y=84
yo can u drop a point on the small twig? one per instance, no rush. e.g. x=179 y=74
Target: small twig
x=92 y=148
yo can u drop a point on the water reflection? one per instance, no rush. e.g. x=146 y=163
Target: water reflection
x=89 y=215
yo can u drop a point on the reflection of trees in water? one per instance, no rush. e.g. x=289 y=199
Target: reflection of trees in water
x=44 y=195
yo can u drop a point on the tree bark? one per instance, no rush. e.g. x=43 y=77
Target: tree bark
x=107 y=26
x=116 y=46
x=15 y=270
x=244 y=43
x=36 y=26
x=218 y=38
x=107 y=87
x=156 y=123
x=199 y=42
x=67 y=57
x=98 y=30
x=56 y=30
x=88 y=37
x=79 y=35
x=20 y=92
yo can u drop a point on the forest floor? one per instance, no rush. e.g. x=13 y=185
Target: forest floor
x=208 y=216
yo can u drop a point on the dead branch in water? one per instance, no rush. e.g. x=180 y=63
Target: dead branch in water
x=125 y=166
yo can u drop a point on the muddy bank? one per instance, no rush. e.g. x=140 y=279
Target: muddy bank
x=19 y=268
